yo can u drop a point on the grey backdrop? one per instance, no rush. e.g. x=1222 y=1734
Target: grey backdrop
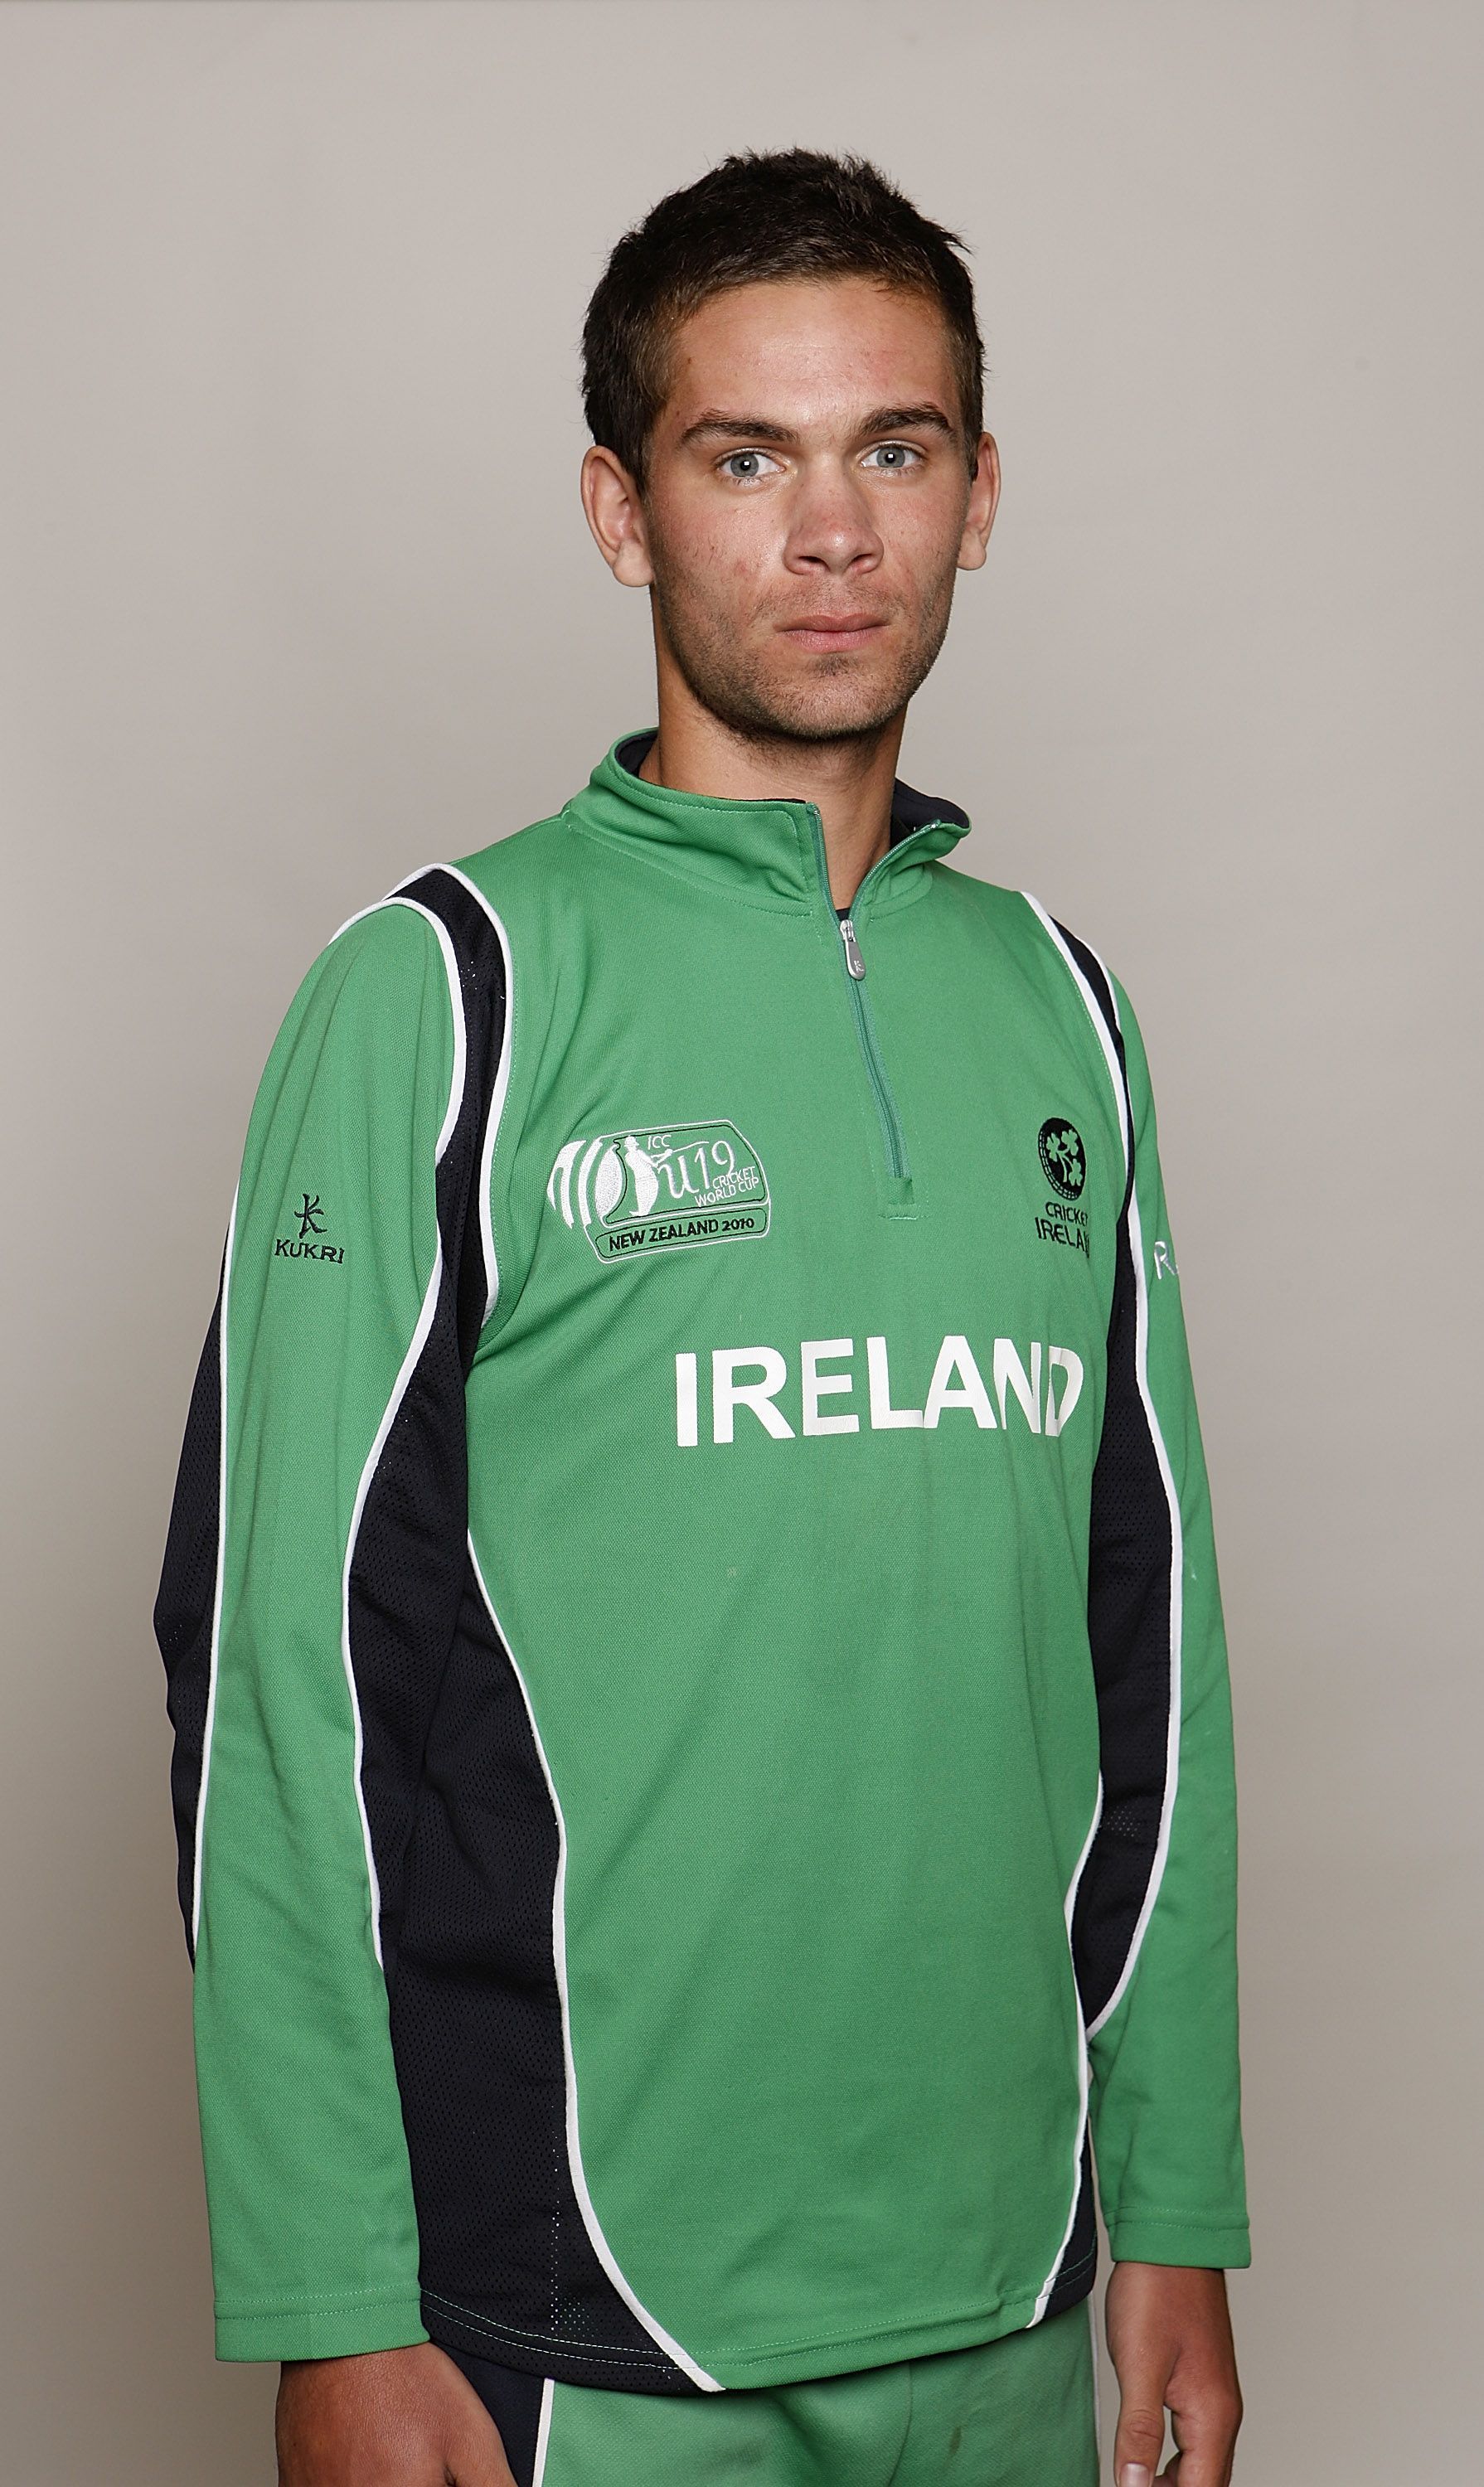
x=295 y=594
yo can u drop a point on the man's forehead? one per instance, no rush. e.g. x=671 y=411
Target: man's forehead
x=808 y=353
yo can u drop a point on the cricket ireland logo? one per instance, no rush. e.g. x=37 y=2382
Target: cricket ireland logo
x=1063 y=1157
x=646 y=1190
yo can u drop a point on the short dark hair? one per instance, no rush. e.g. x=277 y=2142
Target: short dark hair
x=751 y=219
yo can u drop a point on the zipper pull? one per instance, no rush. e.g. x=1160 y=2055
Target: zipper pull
x=852 y=958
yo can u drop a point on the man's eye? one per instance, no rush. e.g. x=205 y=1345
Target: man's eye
x=894 y=456
x=745 y=465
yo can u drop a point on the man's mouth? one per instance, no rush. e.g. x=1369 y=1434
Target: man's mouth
x=828 y=634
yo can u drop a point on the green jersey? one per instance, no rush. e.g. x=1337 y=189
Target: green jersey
x=703 y=1757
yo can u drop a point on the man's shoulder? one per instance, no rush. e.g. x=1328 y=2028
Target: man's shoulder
x=980 y=901
x=523 y=862
x=1010 y=919
x=460 y=903
x=1069 y=974
x=429 y=929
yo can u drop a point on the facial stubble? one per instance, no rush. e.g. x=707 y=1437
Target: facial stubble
x=730 y=679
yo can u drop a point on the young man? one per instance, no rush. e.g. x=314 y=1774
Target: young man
x=703 y=1753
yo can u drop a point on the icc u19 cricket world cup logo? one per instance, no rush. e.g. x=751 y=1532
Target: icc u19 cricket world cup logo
x=653 y=1191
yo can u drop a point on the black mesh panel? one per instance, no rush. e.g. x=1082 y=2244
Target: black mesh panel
x=1130 y=1556
x=185 y=1606
x=509 y=2270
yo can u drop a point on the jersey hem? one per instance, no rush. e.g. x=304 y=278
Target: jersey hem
x=801 y=2362
x=851 y=2353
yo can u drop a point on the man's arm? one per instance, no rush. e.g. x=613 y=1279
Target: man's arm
x=313 y=2232
x=1155 y=1923
x=315 y=1560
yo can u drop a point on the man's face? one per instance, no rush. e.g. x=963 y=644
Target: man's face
x=807 y=503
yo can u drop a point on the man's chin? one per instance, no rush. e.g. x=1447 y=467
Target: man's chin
x=823 y=712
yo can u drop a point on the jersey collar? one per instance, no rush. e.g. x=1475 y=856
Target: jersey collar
x=768 y=852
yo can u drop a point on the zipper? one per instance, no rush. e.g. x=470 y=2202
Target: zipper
x=855 y=967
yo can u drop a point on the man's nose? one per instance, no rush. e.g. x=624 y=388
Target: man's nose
x=832 y=527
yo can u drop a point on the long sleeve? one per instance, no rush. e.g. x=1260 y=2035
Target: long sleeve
x=313 y=1565
x=1155 y=1926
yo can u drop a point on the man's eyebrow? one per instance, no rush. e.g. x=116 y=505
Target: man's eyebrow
x=905 y=418
x=715 y=425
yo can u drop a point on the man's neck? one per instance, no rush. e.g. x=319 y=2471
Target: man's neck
x=850 y=783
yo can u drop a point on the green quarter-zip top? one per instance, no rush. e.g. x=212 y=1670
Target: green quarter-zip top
x=702 y=1761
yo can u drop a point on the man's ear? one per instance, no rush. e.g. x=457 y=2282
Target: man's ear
x=615 y=513
x=983 y=502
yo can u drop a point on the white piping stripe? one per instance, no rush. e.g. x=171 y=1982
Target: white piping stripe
x=590 y=2221
x=216 y=1592
x=373 y=1458
x=359 y=917
x=1162 y=1457
x=455 y=997
x=502 y=1074
x=456 y=1007
x=1100 y=1024
x=544 y=2431
x=421 y=874
x=497 y=1098
x=1068 y=1910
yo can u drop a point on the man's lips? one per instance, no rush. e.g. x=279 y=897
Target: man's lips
x=829 y=632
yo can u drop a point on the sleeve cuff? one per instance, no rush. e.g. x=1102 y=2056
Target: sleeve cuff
x=336 y=2327
x=1208 y=2245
